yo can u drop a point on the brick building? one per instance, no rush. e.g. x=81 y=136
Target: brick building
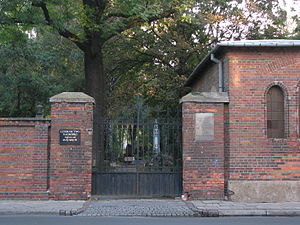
x=241 y=138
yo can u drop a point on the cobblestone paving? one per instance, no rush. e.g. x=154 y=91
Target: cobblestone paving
x=137 y=208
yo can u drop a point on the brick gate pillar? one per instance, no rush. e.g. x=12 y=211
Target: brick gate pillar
x=71 y=146
x=204 y=144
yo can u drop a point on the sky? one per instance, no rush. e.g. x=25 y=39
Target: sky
x=288 y=4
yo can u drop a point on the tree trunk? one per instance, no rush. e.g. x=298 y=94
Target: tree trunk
x=96 y=87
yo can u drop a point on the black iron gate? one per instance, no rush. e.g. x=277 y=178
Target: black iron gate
x=143 y=157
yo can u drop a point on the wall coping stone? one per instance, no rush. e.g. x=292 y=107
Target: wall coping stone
x=24 y=122
x=29 y=119
x=208 y=97
x=72 y=97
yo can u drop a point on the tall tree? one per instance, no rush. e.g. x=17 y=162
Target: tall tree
x=160 y=55
x=89 y=24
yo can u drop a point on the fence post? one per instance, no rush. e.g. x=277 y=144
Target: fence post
x=203 y=131
x=71 y=146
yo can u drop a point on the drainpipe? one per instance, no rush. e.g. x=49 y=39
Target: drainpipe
x=220 y=68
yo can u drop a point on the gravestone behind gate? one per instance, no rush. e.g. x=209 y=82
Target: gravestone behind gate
x=52 y=158
x=143 y=155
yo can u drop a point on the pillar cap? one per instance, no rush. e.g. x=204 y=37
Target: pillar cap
x=72 y=97
x=209 y=97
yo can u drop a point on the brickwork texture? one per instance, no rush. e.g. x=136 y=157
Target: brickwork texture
x=33 y=163
x=251 y=159
x=71 y=165
x=253 y=156
x=23 y=158
x=203 y=160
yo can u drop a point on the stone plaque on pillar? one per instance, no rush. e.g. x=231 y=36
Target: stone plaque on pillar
x=204 y=126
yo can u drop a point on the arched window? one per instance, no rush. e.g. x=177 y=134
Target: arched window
x=298 y=110
x=275 y=112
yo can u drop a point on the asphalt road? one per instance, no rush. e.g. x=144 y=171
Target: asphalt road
x=76 y=220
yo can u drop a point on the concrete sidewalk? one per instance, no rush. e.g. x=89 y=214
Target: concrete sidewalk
x=41 y=207
x=227 y=208
x=149 y=207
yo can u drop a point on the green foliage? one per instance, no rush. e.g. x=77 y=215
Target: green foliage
x=12 y=36
x=150 y=47
x=153 y=60
x=32 y=70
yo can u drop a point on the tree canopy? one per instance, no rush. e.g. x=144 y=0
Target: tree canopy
x=154 y=43
x=32 y=70
x=154 y=60
x=116 y=50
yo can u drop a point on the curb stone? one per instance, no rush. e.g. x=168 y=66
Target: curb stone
x=74 y=212
x=51 y=208
x=219 y=208
x=194 y=209
x=282 y=212
x=247 y=212
x=202 y=213
x=210 y=213
x=13 y=213
x=251 y=212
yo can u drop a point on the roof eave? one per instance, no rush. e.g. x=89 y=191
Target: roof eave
x=251 y=43
x=200 y=66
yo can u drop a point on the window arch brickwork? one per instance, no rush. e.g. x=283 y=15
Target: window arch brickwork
x=298 y=108
x=276 y=116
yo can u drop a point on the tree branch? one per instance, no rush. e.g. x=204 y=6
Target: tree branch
x=134 y=22
x=16 y=21
x=132 y=62
x=63 y=32
x=120 y=15
x=157 y=35
x=43 y=6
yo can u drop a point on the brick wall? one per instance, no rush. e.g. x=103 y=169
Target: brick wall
x=23 y=158
x=253 y=155
x=208 y=81
x=34 y=164
x=203 y=160
x=256 y=168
